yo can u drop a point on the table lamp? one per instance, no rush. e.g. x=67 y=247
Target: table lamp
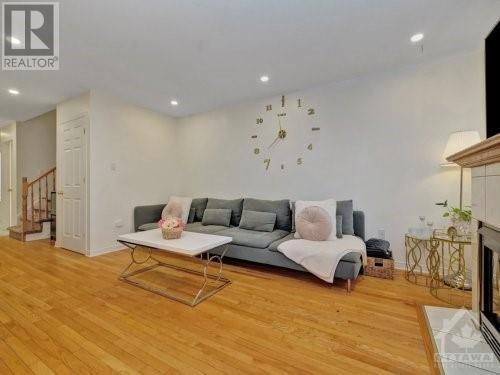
x=459 y=141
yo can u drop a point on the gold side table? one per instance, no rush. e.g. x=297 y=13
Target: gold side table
x=418 y=249
x=449 y=282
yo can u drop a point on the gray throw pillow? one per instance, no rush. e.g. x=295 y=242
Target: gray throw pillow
x=258 y=221
x=345 y=209
x=199 y=204
x=280 y=207
x=216 y=216
x=339 y=226
x=235 y=205
x=192 y=214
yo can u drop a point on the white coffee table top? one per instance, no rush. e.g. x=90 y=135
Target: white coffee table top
x=190 y=243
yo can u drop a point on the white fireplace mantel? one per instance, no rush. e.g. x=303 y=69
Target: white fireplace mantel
x=484 y=159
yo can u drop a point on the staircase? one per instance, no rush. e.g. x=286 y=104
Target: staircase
x=36 y=207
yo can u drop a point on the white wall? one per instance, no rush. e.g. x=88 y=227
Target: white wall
x=8 y=204
x=133 y=161
x=380 y=143
x=36 y=147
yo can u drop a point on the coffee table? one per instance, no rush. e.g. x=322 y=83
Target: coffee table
x=190 y=245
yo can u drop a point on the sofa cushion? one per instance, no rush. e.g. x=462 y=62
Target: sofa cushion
x=148 y=226
x=251 y=238
x=353 y=257
x=199 y=204
x=345 y=208
x=275 y=244
x=235 y=205
x=217 y=216
x=192 y=214
x=198 y=227
x=339 y=226
x=280 y=207
x=329 y=206
x=260 y=221
x=177 y=207
x=314 y=224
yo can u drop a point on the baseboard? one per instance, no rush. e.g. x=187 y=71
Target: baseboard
x=400 y=265
x=107 y=250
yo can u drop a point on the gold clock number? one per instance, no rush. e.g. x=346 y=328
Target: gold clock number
x=283 y=101
x=315 y=129
x=310 y=147
x=256 y=151
x=310 y=111
x=299 y=103
x=269 y=107
x=267 y=162
x=299 y=161
x=282 y=166
x=260 y=120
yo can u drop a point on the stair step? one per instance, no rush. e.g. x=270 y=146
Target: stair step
x=29 y=229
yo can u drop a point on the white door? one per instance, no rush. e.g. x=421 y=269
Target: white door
x=72 y=190
x=6 y=203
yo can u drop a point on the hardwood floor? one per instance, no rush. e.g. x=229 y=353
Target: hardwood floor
x=64 y=313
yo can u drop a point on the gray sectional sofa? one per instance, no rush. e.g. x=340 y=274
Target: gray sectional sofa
x=258 y=246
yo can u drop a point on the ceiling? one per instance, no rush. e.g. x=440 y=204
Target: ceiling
x=211 y=53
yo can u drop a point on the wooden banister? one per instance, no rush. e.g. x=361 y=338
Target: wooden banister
x=31 y=215
x=24 y=214
x=53 y=170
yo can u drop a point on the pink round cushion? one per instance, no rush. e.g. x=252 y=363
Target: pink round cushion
x=314 y=224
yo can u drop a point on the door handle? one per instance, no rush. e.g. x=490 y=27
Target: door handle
x=9 y=190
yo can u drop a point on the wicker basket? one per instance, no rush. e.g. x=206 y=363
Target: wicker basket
x=171 y=234
x=379 y=267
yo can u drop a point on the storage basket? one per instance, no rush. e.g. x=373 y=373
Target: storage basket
x=379 y=267
x=171 y=234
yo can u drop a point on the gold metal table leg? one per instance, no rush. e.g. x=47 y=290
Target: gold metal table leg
x=200 y=295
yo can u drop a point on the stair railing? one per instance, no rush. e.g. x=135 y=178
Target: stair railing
x=43 y=185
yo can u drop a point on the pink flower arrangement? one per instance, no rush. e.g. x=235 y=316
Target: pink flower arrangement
x=171 y=223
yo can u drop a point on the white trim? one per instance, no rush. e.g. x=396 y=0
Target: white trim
x=107 y=250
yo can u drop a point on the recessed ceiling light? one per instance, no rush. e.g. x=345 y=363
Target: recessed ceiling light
x=13 y=40
x=264 y=79
x=13 y=92
x=174 y=102
x=417 y=37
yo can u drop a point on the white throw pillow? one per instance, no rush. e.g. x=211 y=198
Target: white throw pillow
x=173 y=203
x=329 y=205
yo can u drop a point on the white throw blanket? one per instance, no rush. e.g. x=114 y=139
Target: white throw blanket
x=322 y=257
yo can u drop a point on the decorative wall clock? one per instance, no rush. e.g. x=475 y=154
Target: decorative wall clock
x=274 y=129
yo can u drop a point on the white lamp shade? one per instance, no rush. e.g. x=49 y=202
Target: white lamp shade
x=459 y=141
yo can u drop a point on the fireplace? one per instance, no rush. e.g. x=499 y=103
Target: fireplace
x=489 y=240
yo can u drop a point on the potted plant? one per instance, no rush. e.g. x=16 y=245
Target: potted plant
x=459 y=217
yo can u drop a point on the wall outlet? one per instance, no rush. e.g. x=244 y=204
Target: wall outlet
x=381 y=234
x=118 y=223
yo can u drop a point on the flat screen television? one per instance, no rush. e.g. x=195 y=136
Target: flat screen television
x=492 y=58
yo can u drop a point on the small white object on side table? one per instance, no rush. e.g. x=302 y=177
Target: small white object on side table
x=190 y=245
